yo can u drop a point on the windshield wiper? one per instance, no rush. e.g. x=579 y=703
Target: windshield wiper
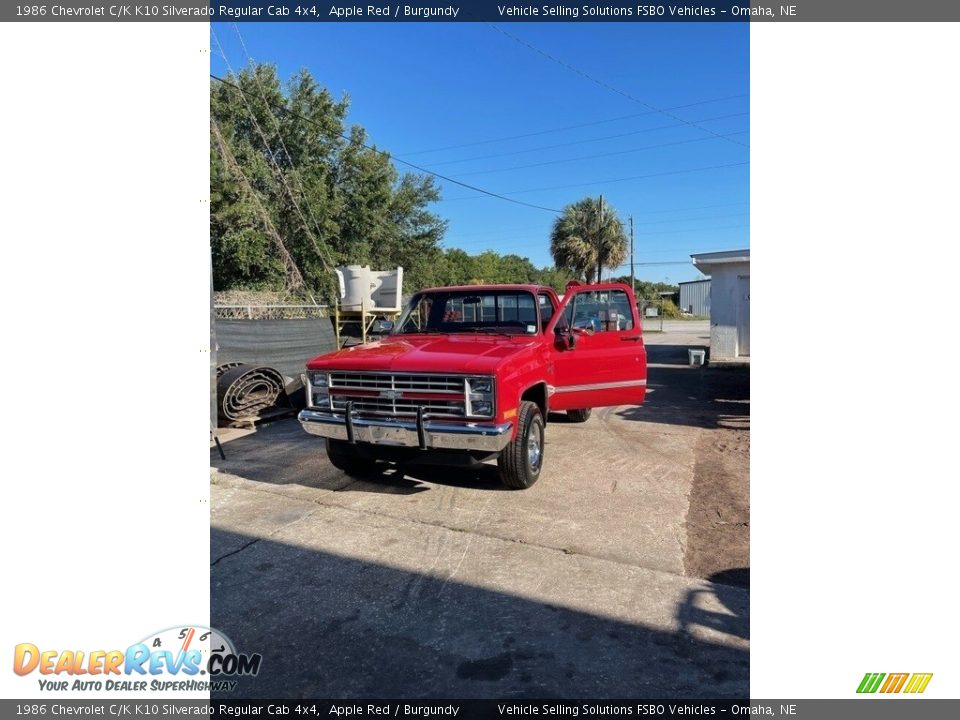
x=488 y=330
x=421 y=331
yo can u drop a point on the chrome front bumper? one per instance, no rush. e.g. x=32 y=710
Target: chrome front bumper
x=407 y=433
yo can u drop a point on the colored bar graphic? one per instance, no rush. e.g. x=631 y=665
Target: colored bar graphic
x=918 y=682
x=870 y=682
x=903 y=679
x=915 y=683
x=894 y=682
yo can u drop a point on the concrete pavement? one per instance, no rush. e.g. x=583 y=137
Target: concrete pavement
x=437 y=582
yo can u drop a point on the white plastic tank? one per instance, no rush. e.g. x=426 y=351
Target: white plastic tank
x=356 y=287
x=372 y=290
x=388 y=289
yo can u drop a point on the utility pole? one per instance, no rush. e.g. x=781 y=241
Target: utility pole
x=597 y=240
x=666 y=281
x=633 y=283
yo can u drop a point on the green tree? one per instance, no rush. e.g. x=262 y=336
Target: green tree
x=457 y=267
x=297 y=188
x=516 y=269
x=552 y=277
x=587 y=236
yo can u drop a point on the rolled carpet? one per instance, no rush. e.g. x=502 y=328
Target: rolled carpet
x=245 y=391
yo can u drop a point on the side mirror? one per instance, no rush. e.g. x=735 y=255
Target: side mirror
x=565 y=337
x=386 y=327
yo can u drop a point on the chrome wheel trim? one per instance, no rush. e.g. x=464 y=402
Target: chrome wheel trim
x=534 y=450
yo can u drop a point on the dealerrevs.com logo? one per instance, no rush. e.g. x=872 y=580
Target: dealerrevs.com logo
x=910 y=683
x=184 y=658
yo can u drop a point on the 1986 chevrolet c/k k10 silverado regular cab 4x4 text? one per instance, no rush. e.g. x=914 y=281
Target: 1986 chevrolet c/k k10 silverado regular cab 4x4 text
x=469 y=374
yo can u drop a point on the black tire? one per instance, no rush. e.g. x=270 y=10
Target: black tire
x=518 y=469
x=344 y=457
x=579 y=416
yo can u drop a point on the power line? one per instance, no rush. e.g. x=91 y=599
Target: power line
x=276 y=124
x=377 y=222
x=652 y=264
x=516 y=228
x=396 y=159
x=666 y=262
x=689 y=219
x=583 y=142
x=601 y=83
x=572 y=127
x=503 y=196
x=686 y=251
x=605 y=182
x=544 y=241
x=294 y=277
x=495 y=237
x=686 y=230
x=600 y=155
x=691 y=209
x=327 y=261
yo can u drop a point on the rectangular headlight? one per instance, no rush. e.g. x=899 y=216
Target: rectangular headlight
x=479 y=392
x=318 y=389
x=482 y=408
x=480 y=386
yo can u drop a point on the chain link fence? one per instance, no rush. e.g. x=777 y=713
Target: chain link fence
x=270 y=312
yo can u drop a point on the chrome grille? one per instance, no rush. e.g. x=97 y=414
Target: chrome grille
x=388 y=381
x=390 y=388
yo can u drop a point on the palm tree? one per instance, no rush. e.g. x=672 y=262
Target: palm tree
x=586 y=237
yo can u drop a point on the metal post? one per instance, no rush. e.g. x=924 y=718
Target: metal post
x=633 y=282
x=666 y=281
x=213 y=366
x=597 y=240
x=336 y=323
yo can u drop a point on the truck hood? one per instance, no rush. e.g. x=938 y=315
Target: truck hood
x=428 y=353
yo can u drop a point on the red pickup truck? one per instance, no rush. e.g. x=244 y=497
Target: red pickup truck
x=470 y=373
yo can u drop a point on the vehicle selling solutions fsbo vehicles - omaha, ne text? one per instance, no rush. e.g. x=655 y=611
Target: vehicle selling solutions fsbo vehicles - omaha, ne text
x=469 y=373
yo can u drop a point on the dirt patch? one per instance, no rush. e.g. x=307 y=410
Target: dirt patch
x=718 y=519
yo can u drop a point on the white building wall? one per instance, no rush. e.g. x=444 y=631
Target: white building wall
x=724 y=300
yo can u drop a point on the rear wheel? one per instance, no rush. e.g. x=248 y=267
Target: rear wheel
x=344 y=457
x=520 y=461
x=579 y=416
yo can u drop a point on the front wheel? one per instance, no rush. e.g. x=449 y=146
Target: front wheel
x=343 y=457
x=579 y=416
x=520 y=461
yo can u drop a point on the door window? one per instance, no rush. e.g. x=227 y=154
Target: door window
x=599 y=311
x=546 y=309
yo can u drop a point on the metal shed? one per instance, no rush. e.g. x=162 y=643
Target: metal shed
x=695 y=297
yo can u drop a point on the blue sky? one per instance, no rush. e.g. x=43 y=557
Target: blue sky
x=419 y=88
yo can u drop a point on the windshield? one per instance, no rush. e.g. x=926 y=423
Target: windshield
x=508 y=312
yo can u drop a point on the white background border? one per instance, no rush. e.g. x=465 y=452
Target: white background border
x=855 y=156
x=105 y=297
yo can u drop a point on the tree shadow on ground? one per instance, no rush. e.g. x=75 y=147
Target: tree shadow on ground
x=338 y=627
x=678 y=394
x=727 y=587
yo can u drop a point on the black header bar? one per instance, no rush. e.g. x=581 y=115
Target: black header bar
x=500 y=11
